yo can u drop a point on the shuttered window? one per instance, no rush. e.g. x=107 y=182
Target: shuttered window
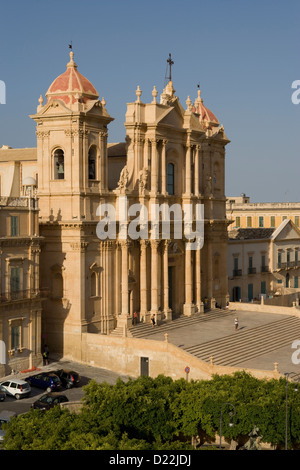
x=14 y=226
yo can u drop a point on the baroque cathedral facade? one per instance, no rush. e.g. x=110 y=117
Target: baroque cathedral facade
x=172 y=155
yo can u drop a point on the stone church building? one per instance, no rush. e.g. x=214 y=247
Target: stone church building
x=172 y=155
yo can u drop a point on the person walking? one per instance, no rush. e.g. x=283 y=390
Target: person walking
x=46 y=355
x=236 y=323
x=153 y=320
x=135 y=318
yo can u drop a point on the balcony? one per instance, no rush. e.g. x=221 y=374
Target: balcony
x=23 y=295
x=265 y=269
x=251 y=270
x=288 y=265
x=237 y=272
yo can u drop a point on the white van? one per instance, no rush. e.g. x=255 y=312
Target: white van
x=16 y=388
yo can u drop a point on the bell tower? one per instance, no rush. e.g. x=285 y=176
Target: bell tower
x=71 y=129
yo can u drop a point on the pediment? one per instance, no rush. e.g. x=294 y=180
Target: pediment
x=286 y=231
x=174 y=116
x=54 y=107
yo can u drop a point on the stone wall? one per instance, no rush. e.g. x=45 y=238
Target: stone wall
x=123 y=356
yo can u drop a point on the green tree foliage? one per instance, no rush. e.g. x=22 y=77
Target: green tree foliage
x=162 y=414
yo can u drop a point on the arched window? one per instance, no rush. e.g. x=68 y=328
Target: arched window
x=92 y=163
x=59 y=164
x=170 y=179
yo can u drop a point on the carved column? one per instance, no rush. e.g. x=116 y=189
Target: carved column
x=124 y=319
x=163 y=168
x=188 y=167
x=154 y=279
x=199 y=303
x=103 y=160
x=189 y=307
x=167 y=310
x=154 y=167
x=143 y=281
x=196 y=167
x=210 y=272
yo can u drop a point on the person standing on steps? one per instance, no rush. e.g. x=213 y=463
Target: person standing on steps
x=153 y=320
x=236 y=323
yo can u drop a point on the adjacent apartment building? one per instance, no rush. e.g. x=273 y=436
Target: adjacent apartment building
x=263 y=262
x=246 y=214
x=20 y=293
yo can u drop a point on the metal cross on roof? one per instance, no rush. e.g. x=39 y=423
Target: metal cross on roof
x=170 y=62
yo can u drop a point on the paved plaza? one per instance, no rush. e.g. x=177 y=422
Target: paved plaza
x=265 y=339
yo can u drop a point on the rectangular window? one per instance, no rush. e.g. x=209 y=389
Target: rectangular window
x=296 y=257
x=263 y=287
x=272 y=221
x=15 y=282
x=15 y=337
x=296 y=282
x=237 y=222
x=261 y=221
x=250 y=262
x=297 y=220
x=288 y=258
x=279 y=260
x=263 y=261
x=250 y=292
x=236 y=264
x=249 y=222
x=14 y=226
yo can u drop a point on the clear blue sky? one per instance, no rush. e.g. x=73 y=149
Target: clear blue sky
x=244 y=54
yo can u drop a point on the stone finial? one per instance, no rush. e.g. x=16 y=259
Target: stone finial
x=199 y=99
x=41 y=100
x=275 y=366
x=169 y=89
x=71 y=63
x=211 y=361
x=138 y=94
x=103 y=102
x=154 y=94
x=189 y=104
x=166 y=337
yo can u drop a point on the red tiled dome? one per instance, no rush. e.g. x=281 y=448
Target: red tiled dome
x=71 y=86
x=205 y=115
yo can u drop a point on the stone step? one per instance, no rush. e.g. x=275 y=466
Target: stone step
x=242 y=346
x=118 y=331
x=146 y=329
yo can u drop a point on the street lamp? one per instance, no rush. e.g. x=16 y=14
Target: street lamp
x=231 y=414
x=287 y=374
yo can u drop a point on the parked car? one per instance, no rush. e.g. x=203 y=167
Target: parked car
x=45 y=380
x=2 y=393
x=45 y=402
x=68 y=378
x=16 y=388
x=5 y=417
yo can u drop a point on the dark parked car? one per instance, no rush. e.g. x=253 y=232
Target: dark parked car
x=5 y=417
x=47 y=381
x=45 y=402
x=2 y=393
x=68 y=378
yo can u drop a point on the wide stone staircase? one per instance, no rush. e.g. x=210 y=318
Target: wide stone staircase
x=230 y=350
x=145 y=330
x=245 y=345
